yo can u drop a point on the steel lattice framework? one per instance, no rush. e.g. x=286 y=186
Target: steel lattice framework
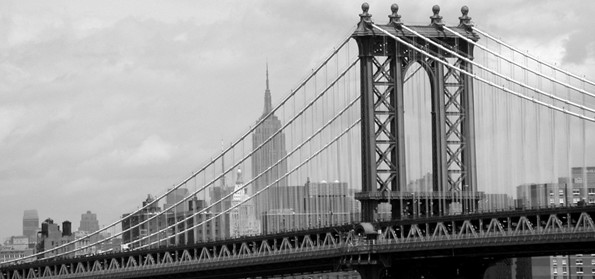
x=383 y=64
x=441 y=239
x=497 y=235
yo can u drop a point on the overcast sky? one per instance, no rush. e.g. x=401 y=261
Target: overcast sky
x=103 y=102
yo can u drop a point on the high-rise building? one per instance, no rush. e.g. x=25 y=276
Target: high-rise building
x=583 y=185
x=243 y=217
x=89 y=222
x=174 y=197
x=136 y=234
x=310 y=205
x=541 y=195
x=554 y=267
x=219 y=203
x=576 y=190
x=268 y=155
x=51 y=237
x=31 y=224
x=492 y=202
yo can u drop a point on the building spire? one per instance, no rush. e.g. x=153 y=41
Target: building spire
x=268 y=107
x=222 y=166
x=267 y=74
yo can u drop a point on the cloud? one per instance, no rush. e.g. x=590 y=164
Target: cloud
x=152 y=150
x=127 y=97
x=579 y=47
x=9 y=118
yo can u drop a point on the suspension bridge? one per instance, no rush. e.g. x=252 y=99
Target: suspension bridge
x=424 y=151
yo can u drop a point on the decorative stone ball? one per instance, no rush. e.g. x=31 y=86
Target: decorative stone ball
x=436 y=9
x=394 y=8
x=365 y=7
x=465 y=10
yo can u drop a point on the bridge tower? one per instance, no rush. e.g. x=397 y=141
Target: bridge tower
x=383 y=64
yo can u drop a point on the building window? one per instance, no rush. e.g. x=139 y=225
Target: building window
x=563 y=262
x=555 y=270
x=579 y=261
x=554 y=261
x=592 y=261
x=564 y=269
x=591 y=191
x=579 y=270
x=576 y=192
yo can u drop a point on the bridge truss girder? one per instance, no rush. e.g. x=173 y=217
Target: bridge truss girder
x=495 y=235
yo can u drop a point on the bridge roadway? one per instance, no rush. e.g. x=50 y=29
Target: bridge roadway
x=460 y=246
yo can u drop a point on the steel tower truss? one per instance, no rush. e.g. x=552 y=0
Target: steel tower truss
x=383 y=64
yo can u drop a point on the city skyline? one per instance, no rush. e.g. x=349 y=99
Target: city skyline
x=85 y=114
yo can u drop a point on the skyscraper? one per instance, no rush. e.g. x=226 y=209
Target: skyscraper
x=267 y=155
x=242 y=218
x=89 y=222
x=31 y=224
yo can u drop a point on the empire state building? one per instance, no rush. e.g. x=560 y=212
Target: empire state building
x=268 y=155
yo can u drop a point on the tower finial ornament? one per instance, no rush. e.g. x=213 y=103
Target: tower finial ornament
x=436 y=19
x=394 y=18
x=465 y=19
x=365 y=23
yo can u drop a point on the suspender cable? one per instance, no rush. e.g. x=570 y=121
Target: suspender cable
x=325 y=147
x=534 y=58
x=519 y=65
x=563 y=110
x=497 y=73
x=319 y=131
x=193 y=175
x=266 y=141
x=203 y=187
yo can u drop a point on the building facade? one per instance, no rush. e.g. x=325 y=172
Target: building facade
x=576 y=190
x=51 y=237
x=135 y=233
x=268 y=155
x=89 y=222
x=31 y=225
x=242 y=219
x=309 y=206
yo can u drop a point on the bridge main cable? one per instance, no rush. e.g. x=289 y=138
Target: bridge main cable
x=568 y=102
x=221 y=175
x=271 y=184
x=519 y=65
x=193 y=175
x=532 y=99
x=534 y=58
x=272 y=166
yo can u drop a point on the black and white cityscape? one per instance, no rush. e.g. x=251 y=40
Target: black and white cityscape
x=297 y=140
